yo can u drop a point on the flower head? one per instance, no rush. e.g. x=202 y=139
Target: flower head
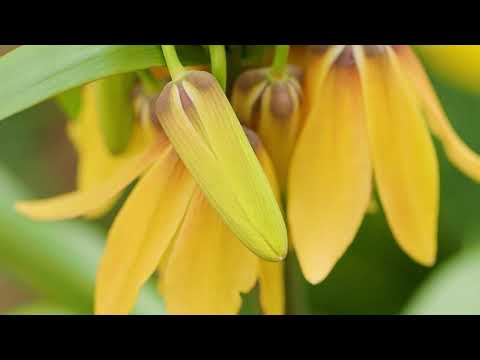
x=271 y=106
x=369 y=111
x=169 y=222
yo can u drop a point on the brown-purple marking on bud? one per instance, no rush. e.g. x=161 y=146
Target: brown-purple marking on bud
x=185 y=100
x=152 y=111
x=281 y=104
x=374 y=50
x=253 y=138
x=250 y=78
x=346 y=57
x=319 y=49
x=162 y=104
x=201 y=80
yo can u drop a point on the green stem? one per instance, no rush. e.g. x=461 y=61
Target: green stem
x=174 y=65
x=280 y=61
x=296 y=292
x=218 y=60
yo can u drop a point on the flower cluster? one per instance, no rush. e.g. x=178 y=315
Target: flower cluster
x=219 y=178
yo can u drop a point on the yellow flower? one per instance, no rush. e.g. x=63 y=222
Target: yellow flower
x=207 y=268
x=95 y=162
x=272 y=107
x=455 y=63
x=168 y=222
x=369 y=111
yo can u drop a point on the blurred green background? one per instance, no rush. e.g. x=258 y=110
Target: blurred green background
x=374 y=277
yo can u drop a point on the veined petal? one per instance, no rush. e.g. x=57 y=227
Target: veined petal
x=457 y=151
x=203 y=128
x=208 y=267
x=141 y=233
x=404 y=159
x=330 y=176
x=84 y=201
x=272 y=288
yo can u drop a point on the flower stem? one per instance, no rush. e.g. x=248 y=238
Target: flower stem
x=218 y=60
x=296 y=292
x=280 y=61
x=174 y=65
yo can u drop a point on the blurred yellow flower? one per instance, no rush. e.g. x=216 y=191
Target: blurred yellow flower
x=167 y=222
x=458 y=64
x=95 y=162
x=271 y=107
x=368 y=108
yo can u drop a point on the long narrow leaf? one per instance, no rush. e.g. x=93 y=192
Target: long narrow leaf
x=31 y=74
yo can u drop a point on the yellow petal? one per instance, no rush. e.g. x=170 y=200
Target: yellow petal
x=265 y=161
x=202 y=126
x=272 y=288
x=141 y=233
x=404 y=159
x=95 y=162
x=457 y=151
x=208 y=267
x=321 y=59
x=455 y=63
x=279 y=124
x=84 y=201
x=246 y=93
x=330 y=177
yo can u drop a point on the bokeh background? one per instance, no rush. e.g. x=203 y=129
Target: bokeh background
x=374 y=277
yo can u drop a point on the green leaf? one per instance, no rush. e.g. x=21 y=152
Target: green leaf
x=70 y=102
x=453 y=288
x=33 y=73
x=57 y=260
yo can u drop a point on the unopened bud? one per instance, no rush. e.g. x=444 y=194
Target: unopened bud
x=271 y=107
x=206 y=134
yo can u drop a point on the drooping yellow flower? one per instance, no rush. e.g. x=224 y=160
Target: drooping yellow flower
x=456 y=63
x=95 y=162
x=272 y=107
x=168 y=220
x=369 y=108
